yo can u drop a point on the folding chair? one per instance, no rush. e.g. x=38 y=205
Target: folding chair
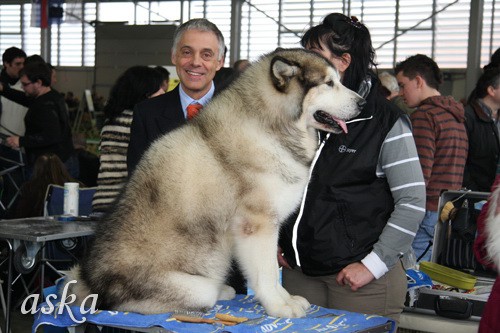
x=69 y=249
x=54 y=200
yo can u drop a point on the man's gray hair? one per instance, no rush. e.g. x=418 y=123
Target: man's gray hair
x=202 y=25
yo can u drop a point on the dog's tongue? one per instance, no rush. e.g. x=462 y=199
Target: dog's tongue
x=328 y=119
x=341 y=123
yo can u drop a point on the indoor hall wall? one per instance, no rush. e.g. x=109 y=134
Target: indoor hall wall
x=77 y=79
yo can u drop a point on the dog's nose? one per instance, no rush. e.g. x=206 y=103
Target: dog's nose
x=361 y=103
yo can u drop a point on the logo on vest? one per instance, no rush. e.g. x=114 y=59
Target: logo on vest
x=344 y=149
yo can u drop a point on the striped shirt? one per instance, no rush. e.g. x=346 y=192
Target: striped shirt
x=442 y=145
x=115 y=137
x=398 y=163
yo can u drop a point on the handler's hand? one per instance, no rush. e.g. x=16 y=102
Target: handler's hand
x=356 y=275
x=281 y=259
x=13 y=142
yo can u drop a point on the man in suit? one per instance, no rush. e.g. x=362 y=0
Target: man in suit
x=198 y=53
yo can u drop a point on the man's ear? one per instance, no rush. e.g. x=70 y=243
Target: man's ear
x=282 y=71
x=420 y=81
x=220 y=63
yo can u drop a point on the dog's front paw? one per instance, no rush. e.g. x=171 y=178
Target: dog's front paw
x=304 y=303
x=226 y=293
x=294 y=307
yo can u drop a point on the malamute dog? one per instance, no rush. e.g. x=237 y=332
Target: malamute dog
x=217 y=188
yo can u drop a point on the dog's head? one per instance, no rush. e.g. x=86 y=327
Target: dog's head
x=326 y=103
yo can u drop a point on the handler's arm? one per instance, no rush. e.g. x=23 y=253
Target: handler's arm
x=16 y=96
x=399 y=163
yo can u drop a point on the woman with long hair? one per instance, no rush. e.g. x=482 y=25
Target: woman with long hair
x=135 y=85
x=366 y=195
x=482 y=118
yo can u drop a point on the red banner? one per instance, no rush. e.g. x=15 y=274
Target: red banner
x=44 y=14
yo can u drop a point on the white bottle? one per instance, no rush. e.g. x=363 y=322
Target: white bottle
x=71 y=198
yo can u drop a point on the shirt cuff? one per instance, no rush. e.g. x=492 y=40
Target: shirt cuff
x=376 y=266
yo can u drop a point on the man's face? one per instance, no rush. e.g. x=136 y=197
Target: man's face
x=14 y=67
x=30 y=88
x=196 y=61
x=408 y=89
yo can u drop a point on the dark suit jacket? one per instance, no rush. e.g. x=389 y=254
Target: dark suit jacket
x=153 y=118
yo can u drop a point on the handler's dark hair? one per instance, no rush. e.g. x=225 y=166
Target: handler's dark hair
x=420 y=64
x=490 y=78
x=35 y=71
x=495 y=60
x=164 y=72
x=343 y=34
x=48 y=169
x=133 y=86
x=12 y=53
x=33 y=59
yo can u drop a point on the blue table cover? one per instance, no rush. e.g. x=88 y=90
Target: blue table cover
x=318 y=319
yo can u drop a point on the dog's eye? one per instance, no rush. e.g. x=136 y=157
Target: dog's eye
x=329 y=83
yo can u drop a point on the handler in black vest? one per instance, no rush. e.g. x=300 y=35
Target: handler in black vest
x=366 y=196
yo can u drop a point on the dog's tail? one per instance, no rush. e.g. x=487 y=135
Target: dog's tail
x=76 y=285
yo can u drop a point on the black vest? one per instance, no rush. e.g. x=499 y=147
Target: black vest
x=347 y=205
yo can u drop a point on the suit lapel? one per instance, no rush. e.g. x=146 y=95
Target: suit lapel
x=171 y=112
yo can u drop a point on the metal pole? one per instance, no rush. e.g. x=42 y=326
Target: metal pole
x=474 y=48
x=235 y=38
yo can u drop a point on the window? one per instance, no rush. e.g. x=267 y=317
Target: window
x=10 y=26
x=438 y=28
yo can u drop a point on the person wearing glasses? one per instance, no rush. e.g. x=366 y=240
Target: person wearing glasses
x=344 y=246
x=47 y=123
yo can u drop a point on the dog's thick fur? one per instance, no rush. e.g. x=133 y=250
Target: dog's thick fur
x=219 y=187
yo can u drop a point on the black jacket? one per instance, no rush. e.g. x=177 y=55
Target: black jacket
x=347 y=205
x=484 y=149
x=153 y=118
x=47 y=128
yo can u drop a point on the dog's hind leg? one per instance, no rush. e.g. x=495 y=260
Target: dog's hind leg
x=181 y=291
x=256 y=245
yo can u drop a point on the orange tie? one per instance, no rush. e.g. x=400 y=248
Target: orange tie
x=193 y=109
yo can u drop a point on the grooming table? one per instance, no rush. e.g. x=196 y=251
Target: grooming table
x=35 y=231
x=318 y=319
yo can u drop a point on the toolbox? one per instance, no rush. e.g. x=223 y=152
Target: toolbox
x=461 y=283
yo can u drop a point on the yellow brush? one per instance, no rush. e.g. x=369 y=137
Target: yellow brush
x=447 y=212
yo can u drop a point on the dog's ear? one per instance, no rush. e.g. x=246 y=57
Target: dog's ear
x=282 y=70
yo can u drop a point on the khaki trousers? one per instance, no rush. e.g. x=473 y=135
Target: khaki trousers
x=384 y=297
